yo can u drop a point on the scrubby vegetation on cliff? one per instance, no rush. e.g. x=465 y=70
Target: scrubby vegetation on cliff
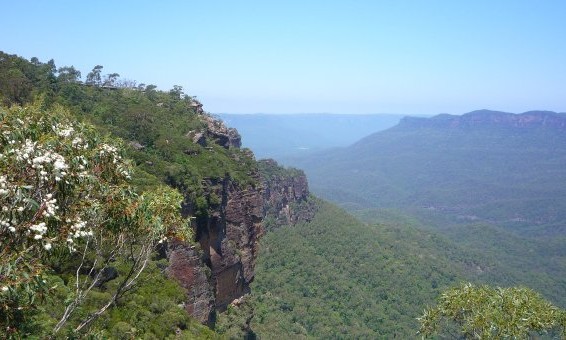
x=170 y=140
x=75 y=237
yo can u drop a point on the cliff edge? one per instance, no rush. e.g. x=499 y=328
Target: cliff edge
x=220 y=267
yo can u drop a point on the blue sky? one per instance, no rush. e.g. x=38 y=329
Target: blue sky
x=408 y=57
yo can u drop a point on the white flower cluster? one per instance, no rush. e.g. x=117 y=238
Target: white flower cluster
x=3 y=185
x=78 y=230
x=63 y=131
x=7 y=224
x=77 y=141
x=67 y=131
x=112 y=151
x=108 y=149
x=36 y=155
x=4 y=192
x=40 y=229
x=50 y=206
x=25 y=152
x=56 y=160
x=40 y=159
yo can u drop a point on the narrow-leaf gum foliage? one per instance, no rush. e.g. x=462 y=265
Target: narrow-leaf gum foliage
x=484 y=312
x=65 y=189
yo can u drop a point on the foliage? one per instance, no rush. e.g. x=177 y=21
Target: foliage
x=65 y=195
x=490 y=254
x=483 y=312
x=152 y=310
x=234 y=323
x=270 y=170
x=337 y=277
x=158 y=127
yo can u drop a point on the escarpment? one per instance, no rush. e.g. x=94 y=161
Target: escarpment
x=485 y=118
x=220 y=267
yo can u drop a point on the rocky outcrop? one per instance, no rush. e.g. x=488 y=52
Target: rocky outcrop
x=215 y=131
x=285 y=195
x=222 y=135
x=487 y=118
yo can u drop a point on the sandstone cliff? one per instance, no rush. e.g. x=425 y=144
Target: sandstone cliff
x=285 y=195
x=221 y=267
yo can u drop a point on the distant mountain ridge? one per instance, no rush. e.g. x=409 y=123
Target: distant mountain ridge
x=484 y=118
x=489 y=166
x=492 y=182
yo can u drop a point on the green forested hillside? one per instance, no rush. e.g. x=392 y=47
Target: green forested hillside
x=337 y=277
x=496 y=193
x=497 y=256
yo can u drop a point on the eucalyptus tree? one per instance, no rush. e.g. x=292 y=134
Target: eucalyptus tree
x=484 y=312
x=94 y=76
x=65 y=198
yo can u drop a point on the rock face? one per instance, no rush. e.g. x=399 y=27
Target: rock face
x=285 y=195
x=486 y=118
x=232 y=234
x=186 y=265
x=221 y=268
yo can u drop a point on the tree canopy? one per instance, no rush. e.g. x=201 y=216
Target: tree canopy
x=484 y=312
